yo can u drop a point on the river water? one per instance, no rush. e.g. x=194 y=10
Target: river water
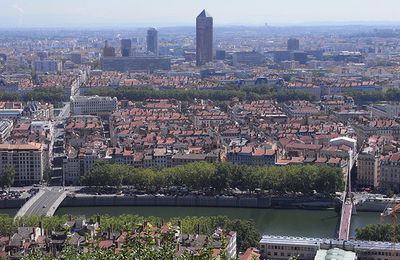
x=308 y=223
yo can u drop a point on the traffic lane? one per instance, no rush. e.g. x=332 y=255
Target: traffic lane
x=47 y=200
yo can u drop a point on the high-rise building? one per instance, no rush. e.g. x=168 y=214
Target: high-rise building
x=152 y=41
x=75 y=57
x=204 y=38
x=293 y=44
x=108 y=51
x=220 y=54
x=126 y=47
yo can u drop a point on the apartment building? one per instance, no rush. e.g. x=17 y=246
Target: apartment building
x=27 y=159
x=368 y=171
x=93 y=105
x=248 y=155
x=78 y=163
x=282 y=248
x=386 y=110
x=390 y=173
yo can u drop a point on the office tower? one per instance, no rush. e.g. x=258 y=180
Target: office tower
x=126 y=47
x=204 y=38
x=108 y=51
x=152 y=41
x=75 y=57
x=220 y=55
x=42 y=55
x=293 y=44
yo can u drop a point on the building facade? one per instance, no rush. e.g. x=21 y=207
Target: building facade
x=293 y=44
x=127 y=64
x=28 y=160
x=252 y=156
x=390 y=173
x=152 y=41
x=204 y=38
x=368 y=169
x=93 y=105
x=282 y=248
x=126 y=47
x=47 y=66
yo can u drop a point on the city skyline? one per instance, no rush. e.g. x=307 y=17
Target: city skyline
x=90 y=13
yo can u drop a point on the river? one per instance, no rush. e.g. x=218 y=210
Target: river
x=309 y=223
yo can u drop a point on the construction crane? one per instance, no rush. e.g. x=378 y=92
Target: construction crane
x=391 y=210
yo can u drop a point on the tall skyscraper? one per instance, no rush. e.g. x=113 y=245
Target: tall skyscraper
x=152 y=41
x=293 y=44
x=108 y=51
x=204 y=38
x=126 y=47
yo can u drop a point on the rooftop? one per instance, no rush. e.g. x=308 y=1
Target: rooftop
x=204 y=14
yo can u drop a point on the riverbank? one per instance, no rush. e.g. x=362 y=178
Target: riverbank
x=264 y=202
x=80 y=200
x=284 y=222
x=202 y=201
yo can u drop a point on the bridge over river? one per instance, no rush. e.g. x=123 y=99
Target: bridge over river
x=348 y=207
x=43 y=203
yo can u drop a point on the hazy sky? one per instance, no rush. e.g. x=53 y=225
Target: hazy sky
x=56 y=13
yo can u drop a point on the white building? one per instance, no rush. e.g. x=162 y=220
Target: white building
x=6 y=127
x=387 y=110
x=282 y=248
x=27 y=159
x=335 y=253
x=40 y=126
x=93 y=105
x=347 y=141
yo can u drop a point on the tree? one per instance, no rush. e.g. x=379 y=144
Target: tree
x=376 y=232
x=7 y=176
x=217 y=177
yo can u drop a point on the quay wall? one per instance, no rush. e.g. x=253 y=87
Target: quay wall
x=12 y=203
x=198 y=201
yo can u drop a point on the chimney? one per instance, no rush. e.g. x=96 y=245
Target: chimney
x=198 y=229
x=34 y=233
x=69 y=217
x=109 y=233
x=98 y=219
